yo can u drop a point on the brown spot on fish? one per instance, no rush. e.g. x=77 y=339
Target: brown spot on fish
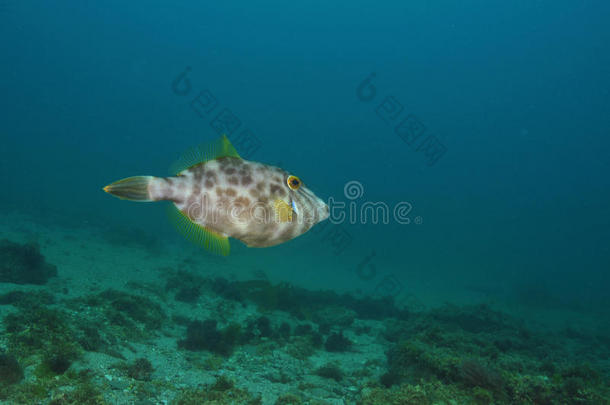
x=275 y=189
x=266 y=234
x=223 y=161
x=261 y=237
x=242 y=201
x=196 y=189
x=286 y=234
x=305 y=225
x=192 y=209
x=246 y=180
x=239 y=199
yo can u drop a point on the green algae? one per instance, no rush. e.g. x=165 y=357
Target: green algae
x=68 y=389
x=23 y=299
x=204 y=335
x=430 y=392
x=119 y=317
x=140 y=369
x=44 y=332
x=288 y=399
x=331 y=371
x=488 y=357
x=449 y=355
x=11 y=371
x=222 y=392
x=301 y=347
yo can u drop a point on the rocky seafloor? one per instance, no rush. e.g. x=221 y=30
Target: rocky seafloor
x=190 y=339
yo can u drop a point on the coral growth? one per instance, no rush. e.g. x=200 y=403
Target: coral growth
x=22 y=299
x=140 y=369
x=449 y=355
x=46 y=332
x=336 y=342
x=331 y=371
x=138 y=308
x=204 y=335
x=475 y=374
x=303 y=304
x=10 y=369
x=131 y=316
x=222 y=392
x=456 y=346
x=23 y=264
x=188 y=286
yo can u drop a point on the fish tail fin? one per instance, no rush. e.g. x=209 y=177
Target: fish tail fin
x=134 y=188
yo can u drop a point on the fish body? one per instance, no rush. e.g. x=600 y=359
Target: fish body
x=216 y=195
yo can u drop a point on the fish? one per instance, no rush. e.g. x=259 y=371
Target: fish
x=216 y=195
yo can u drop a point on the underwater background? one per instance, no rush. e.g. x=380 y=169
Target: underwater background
x=481 y=128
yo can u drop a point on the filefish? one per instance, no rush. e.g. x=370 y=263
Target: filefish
x=215 y=194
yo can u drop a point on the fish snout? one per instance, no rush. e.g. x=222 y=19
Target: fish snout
x=323 y=210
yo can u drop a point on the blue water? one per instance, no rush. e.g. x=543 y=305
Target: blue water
x=488 y=120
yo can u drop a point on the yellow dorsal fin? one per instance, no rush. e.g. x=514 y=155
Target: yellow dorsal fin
x=283 y=211
x=199 y=235
x=204 y=153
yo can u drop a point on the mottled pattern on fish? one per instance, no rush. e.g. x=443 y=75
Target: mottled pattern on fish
x=241 y=199
x=217 y=194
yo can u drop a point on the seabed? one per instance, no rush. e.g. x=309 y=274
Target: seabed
x=92 y=316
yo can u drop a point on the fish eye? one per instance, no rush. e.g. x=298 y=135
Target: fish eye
x=293 y=182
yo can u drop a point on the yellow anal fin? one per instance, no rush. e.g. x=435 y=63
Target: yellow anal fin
x=204 y=153
x=197 y=234
x=283 y=211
